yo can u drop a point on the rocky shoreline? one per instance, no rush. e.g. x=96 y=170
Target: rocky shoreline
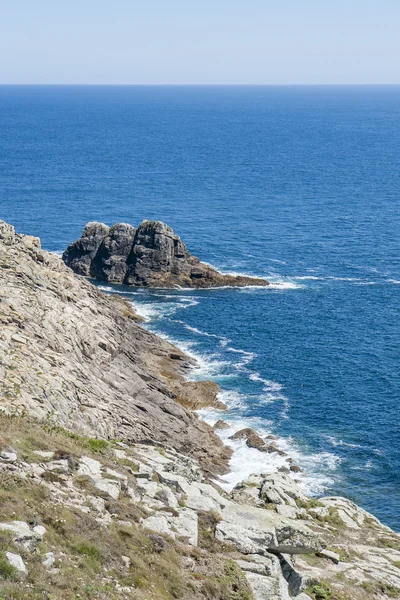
x=106 y=471
x=150 y=255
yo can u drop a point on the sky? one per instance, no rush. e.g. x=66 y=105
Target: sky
x=199 y=42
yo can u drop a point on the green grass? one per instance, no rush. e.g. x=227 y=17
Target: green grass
x=7 y=571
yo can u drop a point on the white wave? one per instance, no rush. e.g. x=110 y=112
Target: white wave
x=156 y=310
x=269 y=385
x=222 y=340
x=337 y=443
x=58 y=253
x=395 y=281
x=248 y=357
x=311 y=277
x=284 y=284
x=280 y=262
x=318 y=468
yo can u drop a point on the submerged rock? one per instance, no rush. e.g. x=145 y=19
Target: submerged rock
x=150 y=256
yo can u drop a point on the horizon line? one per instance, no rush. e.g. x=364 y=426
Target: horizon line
x=203 y=84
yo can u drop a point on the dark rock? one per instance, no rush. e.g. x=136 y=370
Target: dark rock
x=151 y=255
x=283 y=470
x=272 y=448
x=109 y=262
x=220 y=424
x=253 y=440
x=79 y=254
x=295 y=469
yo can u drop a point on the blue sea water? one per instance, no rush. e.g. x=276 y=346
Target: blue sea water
x=297 y=184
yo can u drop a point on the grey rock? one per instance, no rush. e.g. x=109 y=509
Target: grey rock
x=220 y=424
x=333 y=556
x=257 y=531
x=291 y=574
x=79 y=254
x=48 y=560
x=151 y=255
x=184 y=525
x=16 y=561
x=110 y=261
x=23 y=534
x=9 y=456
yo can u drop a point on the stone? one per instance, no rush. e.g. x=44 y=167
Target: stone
x=330 y=555
x=89 y=467
x=292 y=576
x=110 y=261
x=158 y=523
x=48 y=560
x=151 y=255
x=268 y=565
x=9 y=456
x=40 y=530
x=43 y=454
x=58 y=466
x=253 y=440
x=347 y=520
x=287 y=511
x=79 y=254
x=121 y=394
x=110 y=487
x=126 y=561
x=23 y=535
x=221 y=425
x=268 y=588
x=184 y=525
x=257 y=531
x=16 y=561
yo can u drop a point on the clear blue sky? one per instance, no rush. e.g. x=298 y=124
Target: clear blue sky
x=202 y=41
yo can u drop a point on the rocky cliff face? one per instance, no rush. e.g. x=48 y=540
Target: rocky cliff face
x=71 y=354
x=105 y=488
x=151 y=255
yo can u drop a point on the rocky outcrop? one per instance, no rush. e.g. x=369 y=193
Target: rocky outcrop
x=151 y=255
x=129 y=493
x=71 y=355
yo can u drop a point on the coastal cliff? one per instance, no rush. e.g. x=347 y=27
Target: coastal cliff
x=109 y=482
x=151 y=256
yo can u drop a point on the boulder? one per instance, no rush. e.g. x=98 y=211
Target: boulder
x=253 y=440
x=8 y=456
x=23 y=535
x=255 y=530
x=16 y=561
x=220 y=424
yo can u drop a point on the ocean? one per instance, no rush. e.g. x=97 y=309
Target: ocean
x=297 y=184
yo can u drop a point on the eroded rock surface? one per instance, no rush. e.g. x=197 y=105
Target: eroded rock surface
x=151 y=255
x=71 y=355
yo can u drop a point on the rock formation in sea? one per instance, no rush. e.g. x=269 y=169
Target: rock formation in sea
x=109 y=483
x=151 y=255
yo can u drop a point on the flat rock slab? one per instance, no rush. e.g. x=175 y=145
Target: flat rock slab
x=255 y=530
x=183 y=525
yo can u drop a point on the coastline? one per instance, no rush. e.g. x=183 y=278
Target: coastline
x=244 y=460
x=77 y=365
